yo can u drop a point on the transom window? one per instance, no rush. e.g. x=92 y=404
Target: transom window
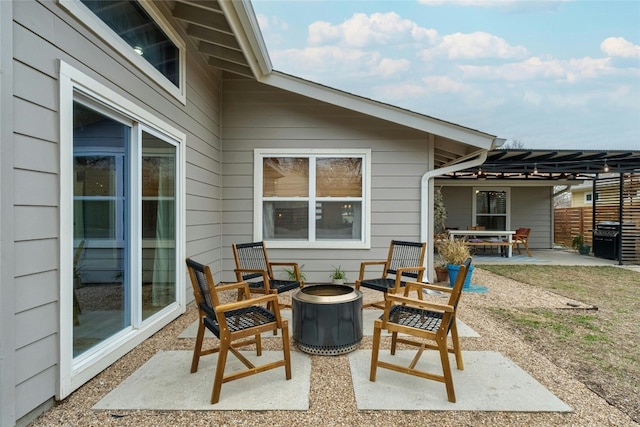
x=140 y=34
x=318 y=199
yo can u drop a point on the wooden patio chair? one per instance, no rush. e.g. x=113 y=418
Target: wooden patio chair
x=404 y=262
x=253 y=266
x=521 y=238
x=236 y=324
x=426 y=325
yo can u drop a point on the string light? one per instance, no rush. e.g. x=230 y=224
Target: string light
x=606 y=166
x=535 y=168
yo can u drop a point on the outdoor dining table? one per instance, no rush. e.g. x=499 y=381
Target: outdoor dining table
x=507 y=234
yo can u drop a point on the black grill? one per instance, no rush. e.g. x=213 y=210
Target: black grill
x=606 y=240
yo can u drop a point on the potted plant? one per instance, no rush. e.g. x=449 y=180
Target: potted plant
x=453 y=254
x=578 y=244
x=338 y=275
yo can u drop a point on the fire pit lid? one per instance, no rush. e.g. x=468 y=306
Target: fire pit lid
x=326 y=294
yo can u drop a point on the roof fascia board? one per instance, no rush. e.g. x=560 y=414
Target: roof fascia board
x=244 y=24
x=383 y=111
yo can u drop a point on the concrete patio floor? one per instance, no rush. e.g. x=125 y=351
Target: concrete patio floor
x=490 y=382
x=547 y=257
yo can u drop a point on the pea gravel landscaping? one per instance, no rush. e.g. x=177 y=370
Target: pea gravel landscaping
x=332 y=401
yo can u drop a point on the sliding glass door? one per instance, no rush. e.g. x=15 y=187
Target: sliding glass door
x=124 y=227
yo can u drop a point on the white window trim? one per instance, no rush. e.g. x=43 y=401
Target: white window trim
x=507 y=190
x=102 y=30
x=364 y=243
x=588 y=195
x=73 y=81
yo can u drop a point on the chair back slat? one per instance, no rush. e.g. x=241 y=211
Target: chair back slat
x=454 y=298
x=202 y=282
x=406 y=254
x=251 y=256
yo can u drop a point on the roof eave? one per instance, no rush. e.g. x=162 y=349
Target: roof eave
x=243 y=21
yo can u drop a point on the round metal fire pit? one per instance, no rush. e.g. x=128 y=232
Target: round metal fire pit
x=327 y=319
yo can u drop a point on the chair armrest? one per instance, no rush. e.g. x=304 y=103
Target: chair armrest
x=417 y=303
x=365 y=264
x=265 y=276
x=280 y=264
x=420 y=285
x=263 y=299
x=230 y=286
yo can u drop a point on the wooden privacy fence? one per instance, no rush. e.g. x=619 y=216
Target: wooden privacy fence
x=569 y=222
x=612 y=194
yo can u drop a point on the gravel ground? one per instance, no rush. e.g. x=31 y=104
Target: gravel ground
x=332 y=402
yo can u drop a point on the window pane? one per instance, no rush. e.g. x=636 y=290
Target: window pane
x=134 y=25
x=339 y=177
x=101 y=297
x=285 y=177
x=94 y=176
x=491 y=202
x=94 y=219
x=492 y=222
x=285 y=220
x=158 y=224
x=338 y=220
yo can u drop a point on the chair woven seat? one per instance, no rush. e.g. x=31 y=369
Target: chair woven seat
x=381 y=284
x=278 y=285
x=415 y=318
x=243 y=318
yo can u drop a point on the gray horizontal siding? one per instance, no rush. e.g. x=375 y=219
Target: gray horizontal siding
x=259 y=116
x=43 y=34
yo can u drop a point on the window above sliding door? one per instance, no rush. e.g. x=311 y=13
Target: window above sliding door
x=139 y=32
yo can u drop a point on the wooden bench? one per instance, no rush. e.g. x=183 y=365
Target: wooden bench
x=491 y=243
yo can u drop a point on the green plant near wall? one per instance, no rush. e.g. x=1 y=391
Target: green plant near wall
x=291 y=273
x=439 y=212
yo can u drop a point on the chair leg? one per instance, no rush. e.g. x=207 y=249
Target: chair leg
x=446 y=368
x=456 y=346
x=286 y=349
x=377 y=329
x=198 y=348
x=219 y=376
x=258 y=345
x=394 y=339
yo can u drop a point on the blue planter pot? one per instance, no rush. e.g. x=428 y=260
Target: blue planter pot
x=453 y=274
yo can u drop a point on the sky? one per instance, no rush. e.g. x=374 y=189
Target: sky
x=559 y=74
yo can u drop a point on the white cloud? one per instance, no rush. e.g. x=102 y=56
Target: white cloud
x=378 y=29
x=537 y=68
x=476 y=45
x=619 y=47
x=443 y=84
x=316 y=63
x=512 y=5
x=388 y=67
x=401 y=91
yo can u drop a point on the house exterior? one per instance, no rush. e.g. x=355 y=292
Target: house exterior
x=125 y=151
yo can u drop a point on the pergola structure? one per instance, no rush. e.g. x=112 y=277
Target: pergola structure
x=551 y=165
